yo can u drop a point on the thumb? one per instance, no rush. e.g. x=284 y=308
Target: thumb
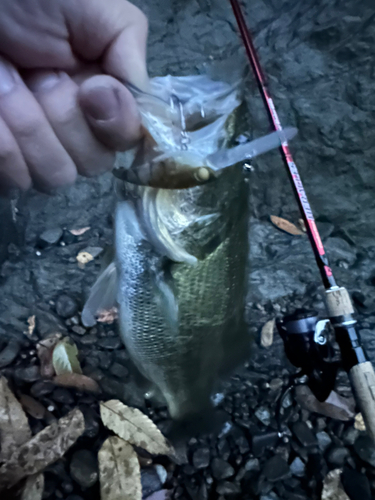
x=110 y=111
x=114 y=31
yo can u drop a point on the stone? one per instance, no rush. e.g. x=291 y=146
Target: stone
x=221 y=469
x=304 y=434
x=227 y=488
x=91 y=421
x=50 y=237
x=297 y=467
x=263 y=414
x=350 y=435
x=337 y=456
x=66 y=306
x=335 y=406
x=79 y=330
x=150 y=481
x=119 y=371
x=110 y=343
x=63 y=396
x=269 y=496
x=356 y=485
x=260 y=442
x=84 y=468
x=9 y=353
x=29 y=374
x=42 y=388
x=324 y=440
x=276 y=469
x=365 y=449
x=201 y=458
x=74 y=497
x=252 y=464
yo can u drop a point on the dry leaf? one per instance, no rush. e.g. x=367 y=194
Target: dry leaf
x=78 y=381
x=107 y=316
x=119 y=471
x=43 y=449
x=335 y=406
x=79 y=232
x=134 y=427
x=359 y=423
x=33 y=489
x=65 y=357
x=32 y=406
x=83 y=258
x=332 y=487
x=44 y=351
x=31 y=327
x=285 y=225
x=266 y=335
x=14 y=426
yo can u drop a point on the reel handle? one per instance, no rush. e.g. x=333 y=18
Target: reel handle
x=359 y=368
x=362 y=378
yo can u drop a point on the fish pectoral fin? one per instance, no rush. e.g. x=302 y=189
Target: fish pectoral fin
x=102 y=295
x=227 y=157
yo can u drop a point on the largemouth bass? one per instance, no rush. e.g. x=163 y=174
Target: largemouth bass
x=181 y=238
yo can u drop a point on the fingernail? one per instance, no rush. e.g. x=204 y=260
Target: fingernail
x=44 y=81
x=101 y=103
x=8 y=77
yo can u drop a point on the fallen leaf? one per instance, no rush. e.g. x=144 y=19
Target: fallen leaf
x=332 y=486
x=83 y=258
x=14 y=426
x=285 y=225
x=78 y=381
x=335 y=406
x=79 y=232
x=31 y=327
x=32 y=406
x=43 y=449
x=134 y=427
x=33 y=489
x=359 y=423
x=119 y=471
x=107 y=316
x=65 y=357
x=266 y=335
x=44 y=350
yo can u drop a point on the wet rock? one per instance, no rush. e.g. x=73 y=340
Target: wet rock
x=356 y=485
x=227 y=488
x=119 y=371
x=79 y=330
x=337 y=456
x=221 y=469
x=74 y=497
x=324 y=440
x=297 y=467
x=350 y=435
x=263 y=414
x=365 y=449
x=260 y=442
x=9 y=353
x=150 y=481
x=304 y=434
x=94 y=251
x=50 y=237
x=67 y=487
x=110 y=343
x=105 y=360
x=201 y=458
x=340 y=250
x=276 y=469
x=269 y=496
x=162 y=473
x=66 y=306
x=42 y=388
x=84 y=469
x=91 y=421
x=29 y=374
x=62 y=396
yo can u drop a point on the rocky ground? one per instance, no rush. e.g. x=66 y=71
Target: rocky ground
x=317 y=55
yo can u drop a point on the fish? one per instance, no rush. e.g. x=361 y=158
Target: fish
x=179 y=277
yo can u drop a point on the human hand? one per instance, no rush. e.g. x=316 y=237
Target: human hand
x=63 y=109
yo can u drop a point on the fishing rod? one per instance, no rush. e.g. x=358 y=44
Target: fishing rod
x=303 y=332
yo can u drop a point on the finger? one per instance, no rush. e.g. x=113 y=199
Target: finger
x=49 y=164
x=111 y=112
x=13 y=169
x=115 y=31
x=58 y=96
